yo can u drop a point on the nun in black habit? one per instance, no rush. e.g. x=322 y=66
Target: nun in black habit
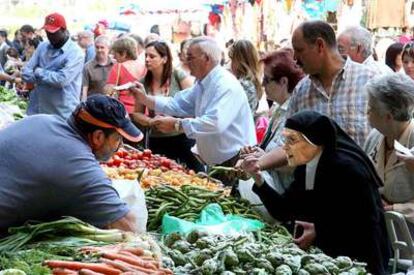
x=334 y=196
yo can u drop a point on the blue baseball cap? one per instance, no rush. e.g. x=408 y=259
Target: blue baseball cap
x=107 y=112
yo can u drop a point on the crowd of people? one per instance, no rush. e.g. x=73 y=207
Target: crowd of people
x=326 y=162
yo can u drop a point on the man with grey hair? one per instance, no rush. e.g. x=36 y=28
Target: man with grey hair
x=390 y=110
x=215 y=111
x=85 y=41
x=356 y=42
x=95 y=72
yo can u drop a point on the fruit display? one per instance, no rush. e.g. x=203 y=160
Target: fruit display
x=153 y=170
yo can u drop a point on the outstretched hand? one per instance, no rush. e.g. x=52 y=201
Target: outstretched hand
x=138 y=92
x=308 y=237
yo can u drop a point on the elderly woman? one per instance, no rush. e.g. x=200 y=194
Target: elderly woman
x=390 y=108
x=127 y=69
x=334 y=194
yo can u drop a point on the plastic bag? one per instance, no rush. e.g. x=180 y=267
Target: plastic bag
x=131 y=193
x=213 y=220
x=246 y=192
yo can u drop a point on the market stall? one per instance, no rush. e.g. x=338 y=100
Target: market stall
x=194 y=227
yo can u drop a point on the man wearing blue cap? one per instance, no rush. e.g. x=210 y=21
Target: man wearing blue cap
x=50 y=167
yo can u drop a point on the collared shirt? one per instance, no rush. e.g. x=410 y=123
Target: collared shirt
x=57 y=75
x=222 y=122
x=3 y=56
x=398 y=181
x=278 y=179
x=346 y=104
x=95 y=76
x=90 y=53
x=378 y=67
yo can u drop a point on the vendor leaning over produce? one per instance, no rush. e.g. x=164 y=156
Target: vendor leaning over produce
x=215 y=111
x=49 y=166
x=334 y=196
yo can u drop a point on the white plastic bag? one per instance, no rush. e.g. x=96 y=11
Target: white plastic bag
x=132 y=194
x=246 y=192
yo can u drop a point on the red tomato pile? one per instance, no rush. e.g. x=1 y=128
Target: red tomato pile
x=144 y=159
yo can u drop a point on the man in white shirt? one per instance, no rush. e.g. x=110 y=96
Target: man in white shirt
x=215 y=111
x=356 y=42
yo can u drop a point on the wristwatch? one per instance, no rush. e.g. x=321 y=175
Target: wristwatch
x=177 y=125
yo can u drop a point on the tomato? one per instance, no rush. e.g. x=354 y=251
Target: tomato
x=140 y=155
x=109 y=163
x=117 y=162
x=166 y=162
x=147 y=153
x=121 y=153
x=128 y=157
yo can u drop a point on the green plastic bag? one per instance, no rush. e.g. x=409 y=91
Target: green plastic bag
x=212 y=220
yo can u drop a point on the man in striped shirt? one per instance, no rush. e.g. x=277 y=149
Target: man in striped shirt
x=333 y=86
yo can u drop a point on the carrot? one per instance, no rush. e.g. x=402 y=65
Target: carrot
x=137 y=268
x=134 y=250
x=89 y=272
x=129 y=254
x=166 y=270
x=78 y=266
x=117 y=265
x=134 y=273
x=130 y=260
x=63 y=271
x=147 y=258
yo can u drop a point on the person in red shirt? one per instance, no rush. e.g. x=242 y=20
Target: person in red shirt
x=127 y=69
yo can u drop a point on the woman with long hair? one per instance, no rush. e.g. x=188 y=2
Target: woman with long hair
x=245 y=66
x=162 y=79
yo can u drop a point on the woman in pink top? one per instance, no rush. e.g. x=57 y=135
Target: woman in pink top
x=127 y=69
